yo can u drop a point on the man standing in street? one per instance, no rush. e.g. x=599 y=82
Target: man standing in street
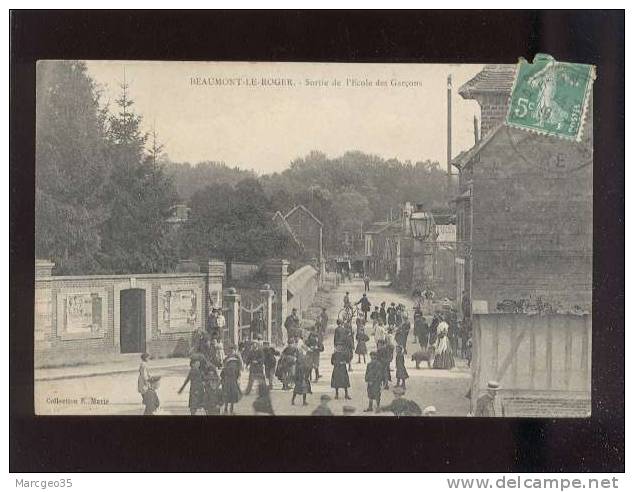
x=366 y=282
x=485 y=406
x=322 y=322
x=292 y=325
x=365 y=306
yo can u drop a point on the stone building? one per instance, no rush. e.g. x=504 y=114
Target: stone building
x=524 y=209
x=524 y=258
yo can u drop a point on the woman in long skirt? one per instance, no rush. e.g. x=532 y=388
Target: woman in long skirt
x=443 y=358
x=340 y=377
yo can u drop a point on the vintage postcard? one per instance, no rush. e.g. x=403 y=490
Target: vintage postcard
x=326 y=239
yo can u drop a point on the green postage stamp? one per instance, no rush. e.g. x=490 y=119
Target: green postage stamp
x=551 y=97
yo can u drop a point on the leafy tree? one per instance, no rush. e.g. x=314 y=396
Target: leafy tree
x=72 y=163
x=136 y=234
x=233 y=223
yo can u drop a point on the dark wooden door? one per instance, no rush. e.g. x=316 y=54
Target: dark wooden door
x=132 y=321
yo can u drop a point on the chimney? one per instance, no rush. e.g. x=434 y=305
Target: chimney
x=491 y=88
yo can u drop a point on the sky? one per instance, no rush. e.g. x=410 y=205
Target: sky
x=262 y=116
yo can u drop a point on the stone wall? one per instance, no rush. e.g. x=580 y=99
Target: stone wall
x=78 y=318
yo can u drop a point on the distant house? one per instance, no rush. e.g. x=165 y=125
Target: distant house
x=383 y=248
x=305 y=229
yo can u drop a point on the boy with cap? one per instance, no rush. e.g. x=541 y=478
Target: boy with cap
x=322 y=409
x=374 y=373
x=400 y=406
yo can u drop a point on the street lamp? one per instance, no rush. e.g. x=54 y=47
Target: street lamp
x=422 y=224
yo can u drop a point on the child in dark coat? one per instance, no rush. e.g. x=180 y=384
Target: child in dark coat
x=383 y=356
x=362 y=348
x=340 y=377
x=401 y=371
x=213 y=393
x=374 y=377
x=230 y=375
x=150 y=396
x=302 y=379
x=196 y=388
x=270 y=362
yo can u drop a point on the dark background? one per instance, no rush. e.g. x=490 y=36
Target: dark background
x=244 y=444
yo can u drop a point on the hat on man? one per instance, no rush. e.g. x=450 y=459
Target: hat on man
x=493 y=385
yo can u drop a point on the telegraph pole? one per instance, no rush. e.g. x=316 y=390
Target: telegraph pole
x=449 y=137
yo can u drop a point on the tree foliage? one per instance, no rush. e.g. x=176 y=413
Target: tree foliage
x=72 y=167
x=104 y=190
x=135 y=235
x=232 y=222
x=101 y=199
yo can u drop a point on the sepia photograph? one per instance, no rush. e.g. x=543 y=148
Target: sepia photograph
x=313 y=239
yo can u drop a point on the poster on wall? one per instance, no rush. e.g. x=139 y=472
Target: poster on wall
x=83 y=313
x=179 y=308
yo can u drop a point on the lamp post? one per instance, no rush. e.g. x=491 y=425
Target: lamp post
x=424 y=233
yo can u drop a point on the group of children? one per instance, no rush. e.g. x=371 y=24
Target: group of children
x=214 y=379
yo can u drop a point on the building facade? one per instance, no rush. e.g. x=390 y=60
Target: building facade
x=524 y=210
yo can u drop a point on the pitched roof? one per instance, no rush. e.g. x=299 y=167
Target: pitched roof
x=381 y=226
x=463 y=158
x=302 y=207
x=281 y=221
x=492 y=79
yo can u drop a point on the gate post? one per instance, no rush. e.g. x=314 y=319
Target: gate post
x=231 y=306
x=212 y=297
x=267 y=294
x=276 y=271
